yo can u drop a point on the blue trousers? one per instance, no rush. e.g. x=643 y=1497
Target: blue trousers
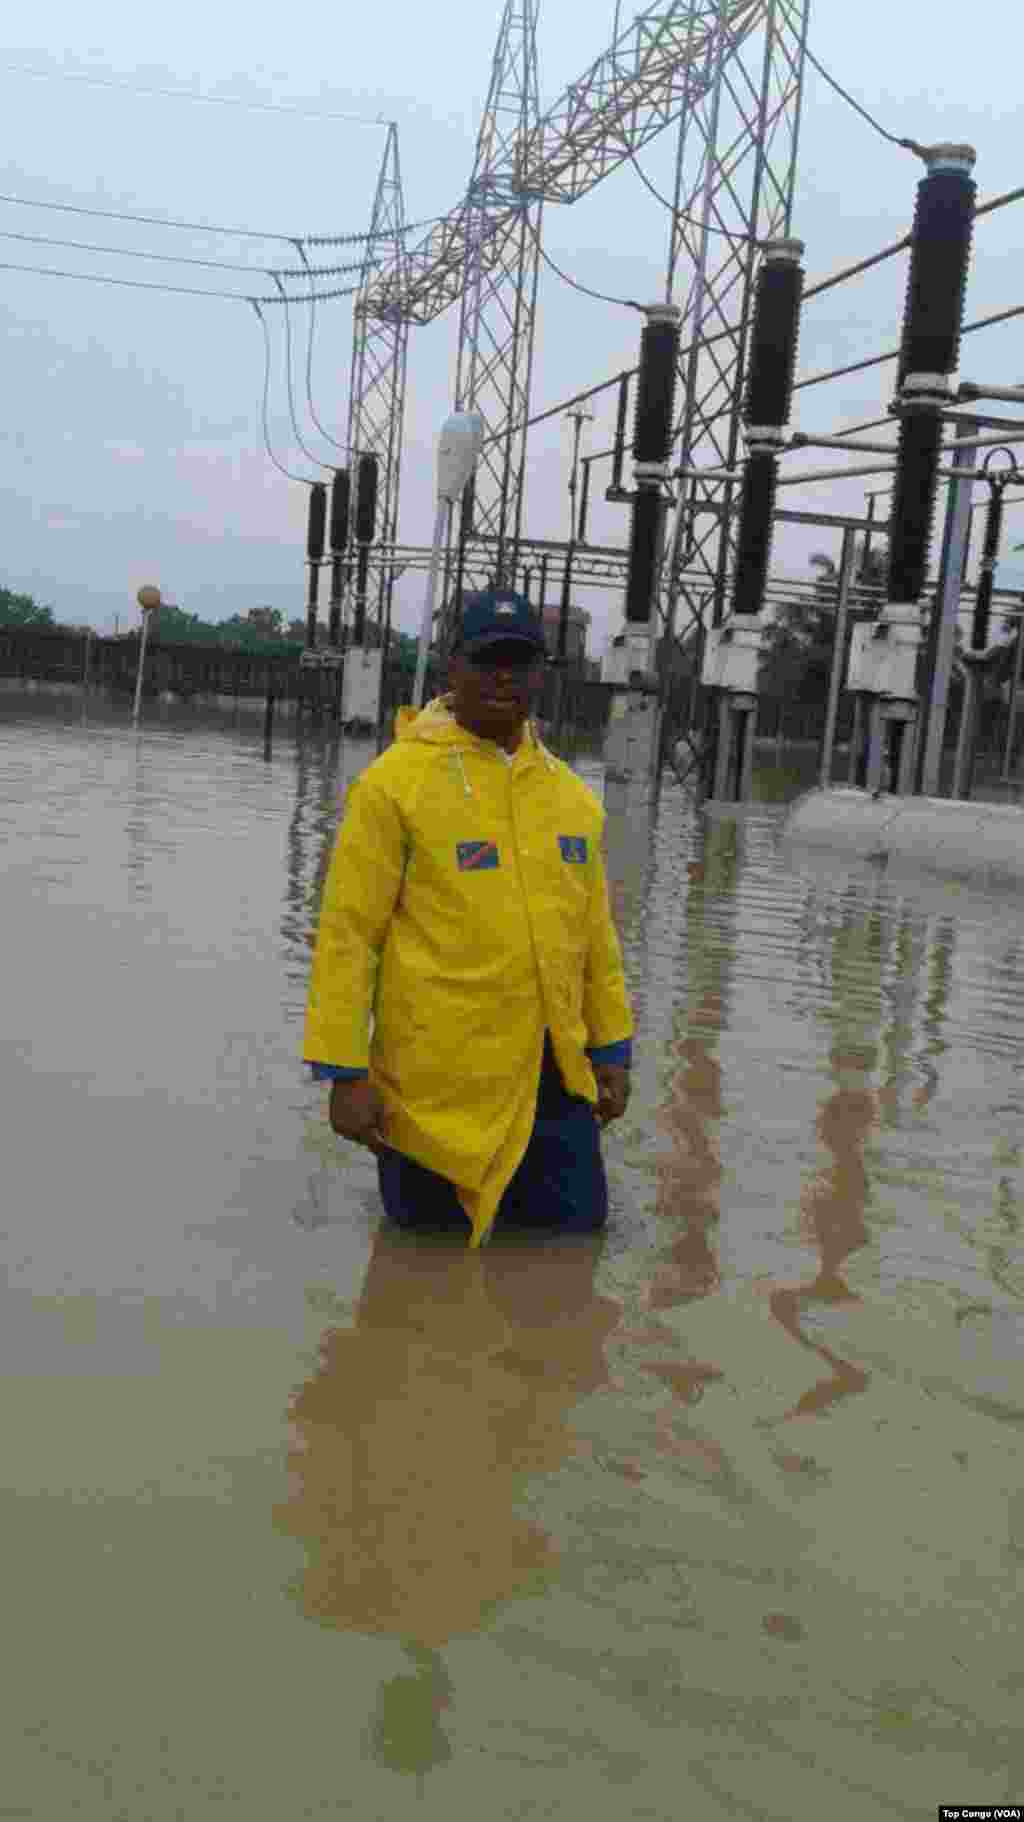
x=560 y=1184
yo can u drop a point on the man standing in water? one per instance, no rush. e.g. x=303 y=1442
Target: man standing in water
x=465 y=916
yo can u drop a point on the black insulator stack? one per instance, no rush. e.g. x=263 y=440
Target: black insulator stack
x=771 y=365
x=581 y=533
x=341 y=494
x=645 y=533
x=366 y=499
x=986 y=581
x=768 y=399
x=620 y=433
x=317 y=523
x=757 y=505
x=656 y=389
x=652 y=442
x=937 y=281
x=930 y=348
x=913 y=505
x=468 y=507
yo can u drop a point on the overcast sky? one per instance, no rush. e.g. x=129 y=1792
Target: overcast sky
x=130 y=441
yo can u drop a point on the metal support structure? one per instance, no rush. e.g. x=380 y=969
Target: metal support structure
x=739 y=144
x=1011 y=721
x=946 y=612
x=380 y=344
x=499 y=289
x=846 y=564
x=730 y=71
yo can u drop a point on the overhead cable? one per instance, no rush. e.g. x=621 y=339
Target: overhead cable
x=287 y=472
x=171 y=259
x=624 y=303
x=144 y=284
x=308 y=453
x=908 y=145
x=351 y=240
x=309 y=358
x=220 y=101
x=149 y=221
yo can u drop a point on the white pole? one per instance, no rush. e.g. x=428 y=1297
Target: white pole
x=427 y=624
x=459 y=445
x=148 y=599
x=838 y=655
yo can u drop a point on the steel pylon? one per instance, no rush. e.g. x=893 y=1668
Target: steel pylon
x=499 y=286
x=735 y=181
x=380 y=343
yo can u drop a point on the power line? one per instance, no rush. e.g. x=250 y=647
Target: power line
x=308 y=453
x=220 y=101
x=287 y=472
x=908 y=145
x=680 y=214
x=143 y=284
x=625 y=303
x=135 y=284
x=172 y=259
x=309 y=359
x=351 y=240
x=149 y=221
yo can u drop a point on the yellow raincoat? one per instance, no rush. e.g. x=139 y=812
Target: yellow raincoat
x=466 y=911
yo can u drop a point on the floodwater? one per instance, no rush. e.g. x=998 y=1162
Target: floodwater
x=721 y=1515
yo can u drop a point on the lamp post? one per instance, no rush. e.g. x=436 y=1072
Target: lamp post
x=148 y=599
x=458 y=449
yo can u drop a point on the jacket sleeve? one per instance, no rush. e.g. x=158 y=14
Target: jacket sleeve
x=360 y=893
x=606 y=1008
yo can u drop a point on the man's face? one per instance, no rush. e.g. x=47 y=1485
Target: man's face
x=493 y=689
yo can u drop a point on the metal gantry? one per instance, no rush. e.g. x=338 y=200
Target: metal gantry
x=380 y=344
x=729 y=72
x=736 y=177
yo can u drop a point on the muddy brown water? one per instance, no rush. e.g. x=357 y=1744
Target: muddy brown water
x=721 y=1515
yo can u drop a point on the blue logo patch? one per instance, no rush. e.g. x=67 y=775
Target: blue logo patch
x=574 y=848
x=473 y=856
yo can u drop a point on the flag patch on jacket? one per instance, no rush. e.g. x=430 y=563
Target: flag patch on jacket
x=474 y=855
x=574 y=848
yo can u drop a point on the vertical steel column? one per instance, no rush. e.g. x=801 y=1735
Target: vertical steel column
x=838 y=653
x=947 y=611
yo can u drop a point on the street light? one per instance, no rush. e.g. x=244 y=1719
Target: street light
x=148 y=599
x=458 y=449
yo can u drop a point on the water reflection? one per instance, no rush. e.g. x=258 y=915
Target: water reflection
x=689 y=1178
x=417 y=1433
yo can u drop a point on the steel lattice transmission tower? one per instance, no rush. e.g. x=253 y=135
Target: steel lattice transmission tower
x=735 y=181
x=499 y=296
x=730 y=73
x=380 y=344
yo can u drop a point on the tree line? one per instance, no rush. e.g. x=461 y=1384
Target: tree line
x=262 y=631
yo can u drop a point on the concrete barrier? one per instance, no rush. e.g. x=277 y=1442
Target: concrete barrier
x=979 y=842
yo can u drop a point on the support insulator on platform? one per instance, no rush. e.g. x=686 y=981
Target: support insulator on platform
x=930 y=348
x=771 y=364
x=656 y=384
x=652 y=441
x=366 y=499
x=316 y=526
x=753 y=550
x=341 y=495
x=767 y=404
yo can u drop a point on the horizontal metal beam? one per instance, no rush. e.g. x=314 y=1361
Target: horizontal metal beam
x=657 y=67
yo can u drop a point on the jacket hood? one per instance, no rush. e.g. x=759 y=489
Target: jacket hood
x=435 y=725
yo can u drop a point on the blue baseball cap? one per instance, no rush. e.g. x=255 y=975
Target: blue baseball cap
x=495 y=616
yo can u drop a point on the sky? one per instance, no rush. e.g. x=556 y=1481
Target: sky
x=130 y=441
